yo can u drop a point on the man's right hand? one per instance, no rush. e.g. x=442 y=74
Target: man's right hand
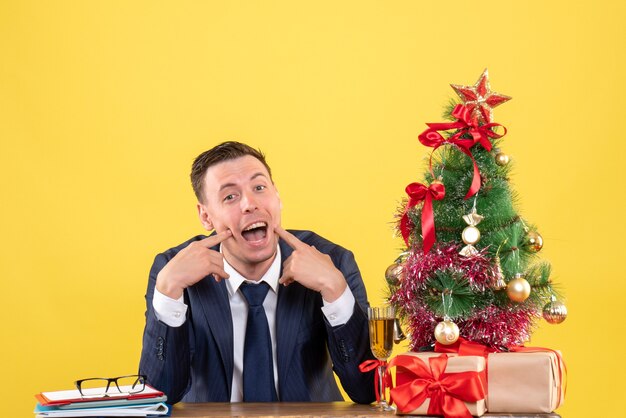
x=192 y=264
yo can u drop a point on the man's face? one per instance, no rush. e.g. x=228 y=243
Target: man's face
x=239 y=195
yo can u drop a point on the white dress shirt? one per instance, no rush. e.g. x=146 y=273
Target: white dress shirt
x=172 y=312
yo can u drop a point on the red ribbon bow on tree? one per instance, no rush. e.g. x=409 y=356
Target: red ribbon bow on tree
x=447 y=391
x=465 y=125
x=418 y=192
x=369 y=365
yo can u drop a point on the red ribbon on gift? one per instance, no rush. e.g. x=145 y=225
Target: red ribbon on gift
x=368 y=366
x=465 y=124
x=464 y=347
x=447 y=391
x=418 y=192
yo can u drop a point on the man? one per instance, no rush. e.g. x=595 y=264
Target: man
x=198 y=345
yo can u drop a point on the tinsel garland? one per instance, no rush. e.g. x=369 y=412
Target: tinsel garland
x=496 y=326
x=499 y=327
x=478 y=269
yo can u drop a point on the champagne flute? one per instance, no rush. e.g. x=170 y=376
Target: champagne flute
x=381 y=322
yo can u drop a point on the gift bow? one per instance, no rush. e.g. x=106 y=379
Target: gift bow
x=447 y=391
x=418 y=192
x=369 y=365
x=465 y=125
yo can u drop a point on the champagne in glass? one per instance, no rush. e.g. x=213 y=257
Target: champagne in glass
x=381 y=321
x=381 y=337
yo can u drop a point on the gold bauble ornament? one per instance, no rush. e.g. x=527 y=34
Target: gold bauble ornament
x=518 y=289
x=470 y=235
x=534 y=241
x=501 y=159
x=394 y=273
x=446 y=332
x=555 y=311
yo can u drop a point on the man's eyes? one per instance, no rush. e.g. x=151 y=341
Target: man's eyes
x=233 y=196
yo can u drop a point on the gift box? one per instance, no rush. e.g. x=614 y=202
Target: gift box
x=439 y=384
x=525 y=382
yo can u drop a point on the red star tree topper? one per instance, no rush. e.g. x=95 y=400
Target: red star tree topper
x=480 y=99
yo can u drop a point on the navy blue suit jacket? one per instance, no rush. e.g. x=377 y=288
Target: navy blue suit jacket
x=194 y=362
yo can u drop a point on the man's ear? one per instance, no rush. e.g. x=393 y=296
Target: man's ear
x=204 y=217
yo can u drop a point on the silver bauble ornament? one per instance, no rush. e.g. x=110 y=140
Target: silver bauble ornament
x=554 y=312
x=394 y=273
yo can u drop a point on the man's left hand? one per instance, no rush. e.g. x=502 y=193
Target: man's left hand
x=311 y=268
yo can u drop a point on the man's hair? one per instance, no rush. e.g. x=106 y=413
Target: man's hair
x=225 y=151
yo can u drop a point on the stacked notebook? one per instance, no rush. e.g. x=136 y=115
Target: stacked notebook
x=69 y=403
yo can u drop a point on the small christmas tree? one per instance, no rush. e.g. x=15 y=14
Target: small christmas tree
x=471 y=266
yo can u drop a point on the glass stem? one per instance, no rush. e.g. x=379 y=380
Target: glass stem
x=381 y=384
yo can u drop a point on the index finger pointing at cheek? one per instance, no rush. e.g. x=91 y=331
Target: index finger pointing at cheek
x=289 y=238
x=213 y=240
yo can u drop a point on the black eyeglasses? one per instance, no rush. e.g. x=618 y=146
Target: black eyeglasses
x=105 y=386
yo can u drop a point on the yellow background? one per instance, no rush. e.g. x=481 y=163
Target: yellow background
x=103 y=106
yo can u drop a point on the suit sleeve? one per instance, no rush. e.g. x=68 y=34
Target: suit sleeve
x=166 y=352
x=349 y=343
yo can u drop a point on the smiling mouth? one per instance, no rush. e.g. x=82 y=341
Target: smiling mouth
x=255 y=232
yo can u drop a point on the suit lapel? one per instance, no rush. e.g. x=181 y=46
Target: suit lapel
x=213 y=298
x=288 y=315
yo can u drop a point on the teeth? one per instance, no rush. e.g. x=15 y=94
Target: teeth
x=256 y=225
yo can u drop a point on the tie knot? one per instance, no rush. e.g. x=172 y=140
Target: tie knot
x=254 y=293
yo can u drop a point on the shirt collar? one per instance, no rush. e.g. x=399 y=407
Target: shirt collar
x=271 y=276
